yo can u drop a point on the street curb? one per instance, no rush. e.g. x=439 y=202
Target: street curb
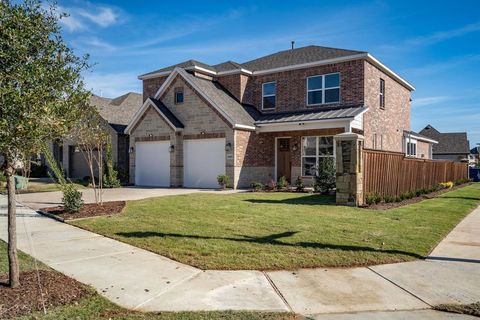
x=52 y=216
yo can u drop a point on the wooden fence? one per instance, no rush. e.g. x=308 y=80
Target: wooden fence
x=391 y=173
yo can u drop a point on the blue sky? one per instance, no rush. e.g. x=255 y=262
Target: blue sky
x=434 y=45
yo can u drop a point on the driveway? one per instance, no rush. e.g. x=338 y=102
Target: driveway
x=141 y=280
x=50 y=199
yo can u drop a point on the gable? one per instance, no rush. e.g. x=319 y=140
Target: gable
x=151 y=123
x=195 y=113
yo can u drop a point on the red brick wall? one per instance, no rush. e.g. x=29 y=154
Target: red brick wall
x=389 y=123
x=151 y=86
x=258 y=149
x=292 y=85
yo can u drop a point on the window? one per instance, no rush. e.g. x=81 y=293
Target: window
x=323 y=89
x=316 y=150
x=269 y=91
x=411 y=148
x=382 y=94
x=178 y=95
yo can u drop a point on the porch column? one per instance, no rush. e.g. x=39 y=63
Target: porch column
x=349 y=167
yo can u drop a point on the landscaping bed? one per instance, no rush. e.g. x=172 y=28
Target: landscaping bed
x=284 y=230
x=88 y=210
x=390 y=205
x=46 y=287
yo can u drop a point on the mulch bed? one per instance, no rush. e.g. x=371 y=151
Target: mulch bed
x=384 y=206
x=88 y=210
x=56 y=289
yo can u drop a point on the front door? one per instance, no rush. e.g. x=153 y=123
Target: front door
x=284 y=164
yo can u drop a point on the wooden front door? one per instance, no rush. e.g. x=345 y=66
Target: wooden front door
x=284 y=163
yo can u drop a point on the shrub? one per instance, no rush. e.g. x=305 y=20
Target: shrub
x=461 y=181
x=447 y=185
x=223 y=180
x=373 y=198
x=257 y=186
x=271 y=185
x=282 y=183
x=110 y=176
x=299 y=184
x=388 y=198
x=72 y=198
x=325 y=178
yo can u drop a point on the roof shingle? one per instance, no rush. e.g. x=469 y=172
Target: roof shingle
x=117 y=111
x=448 y=143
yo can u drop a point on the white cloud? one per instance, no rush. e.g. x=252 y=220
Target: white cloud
x=102 y=16
x=444 y=35
x=81 y=18
x=429 y=100
x=112 y=85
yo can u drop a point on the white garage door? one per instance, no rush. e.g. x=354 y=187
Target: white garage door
x=204 y=160
x=152 y=164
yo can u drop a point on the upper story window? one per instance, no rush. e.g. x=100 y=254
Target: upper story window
x=323 y=89
x=382 y=94
x=179 y=95
x=269 y=92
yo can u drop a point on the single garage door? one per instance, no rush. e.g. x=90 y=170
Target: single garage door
x=204 y=160
x=152 y=164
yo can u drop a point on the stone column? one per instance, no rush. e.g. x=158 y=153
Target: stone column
x=349 y=166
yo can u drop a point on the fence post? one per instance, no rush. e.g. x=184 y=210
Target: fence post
x=349 y=169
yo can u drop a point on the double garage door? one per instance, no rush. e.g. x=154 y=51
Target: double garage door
x=203 y=160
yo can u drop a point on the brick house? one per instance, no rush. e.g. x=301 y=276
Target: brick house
x=270 y=117
x=453 y=146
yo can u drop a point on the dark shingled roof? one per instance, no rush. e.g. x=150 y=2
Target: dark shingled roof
x=297 y=56
x=167 y=113
x=222 y=99
x=117 y=111
x=311 y=115
x=184 y=64
x=474 y=150
x=448 y=143
x=276 y=60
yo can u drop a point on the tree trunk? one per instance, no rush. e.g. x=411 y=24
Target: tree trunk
x=13 y=269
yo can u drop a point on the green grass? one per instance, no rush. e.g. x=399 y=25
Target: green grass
x=39 y=187
x=472 y=309
x=97 y=307
x=266 y=231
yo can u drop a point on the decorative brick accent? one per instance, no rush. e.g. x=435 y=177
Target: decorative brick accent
x=152 y=138
x=204 y=136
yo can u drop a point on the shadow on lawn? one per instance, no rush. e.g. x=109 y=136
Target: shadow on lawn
x=272 y=239
x=313 y=199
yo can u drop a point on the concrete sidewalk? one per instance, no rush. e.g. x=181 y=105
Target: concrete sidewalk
x=138 y=279
x=40 y=200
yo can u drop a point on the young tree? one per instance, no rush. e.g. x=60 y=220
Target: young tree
x=40 y=89
x=91 y=134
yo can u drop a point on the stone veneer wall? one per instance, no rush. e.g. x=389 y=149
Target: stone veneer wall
x=200 y=121
x=388 y=124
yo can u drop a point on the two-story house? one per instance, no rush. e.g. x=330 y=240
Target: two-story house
x=266 y=118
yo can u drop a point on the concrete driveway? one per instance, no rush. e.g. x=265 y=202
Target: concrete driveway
x=50 y=199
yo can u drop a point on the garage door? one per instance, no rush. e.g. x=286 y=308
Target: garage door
x=152 y=164
x=204 y=160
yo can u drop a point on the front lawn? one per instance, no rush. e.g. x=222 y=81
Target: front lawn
x=268 y=231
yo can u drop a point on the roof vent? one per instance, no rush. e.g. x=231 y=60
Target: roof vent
x=293 y=45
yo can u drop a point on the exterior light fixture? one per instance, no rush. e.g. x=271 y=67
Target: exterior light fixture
x=228 y=146
x=131 y=150
x=295 y=147
x=202 y=132
x=171 y=148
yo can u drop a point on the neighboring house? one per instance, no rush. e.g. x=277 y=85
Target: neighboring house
x=117 y=113
x=473 y=157
x=451 y=145
x=266 y=118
